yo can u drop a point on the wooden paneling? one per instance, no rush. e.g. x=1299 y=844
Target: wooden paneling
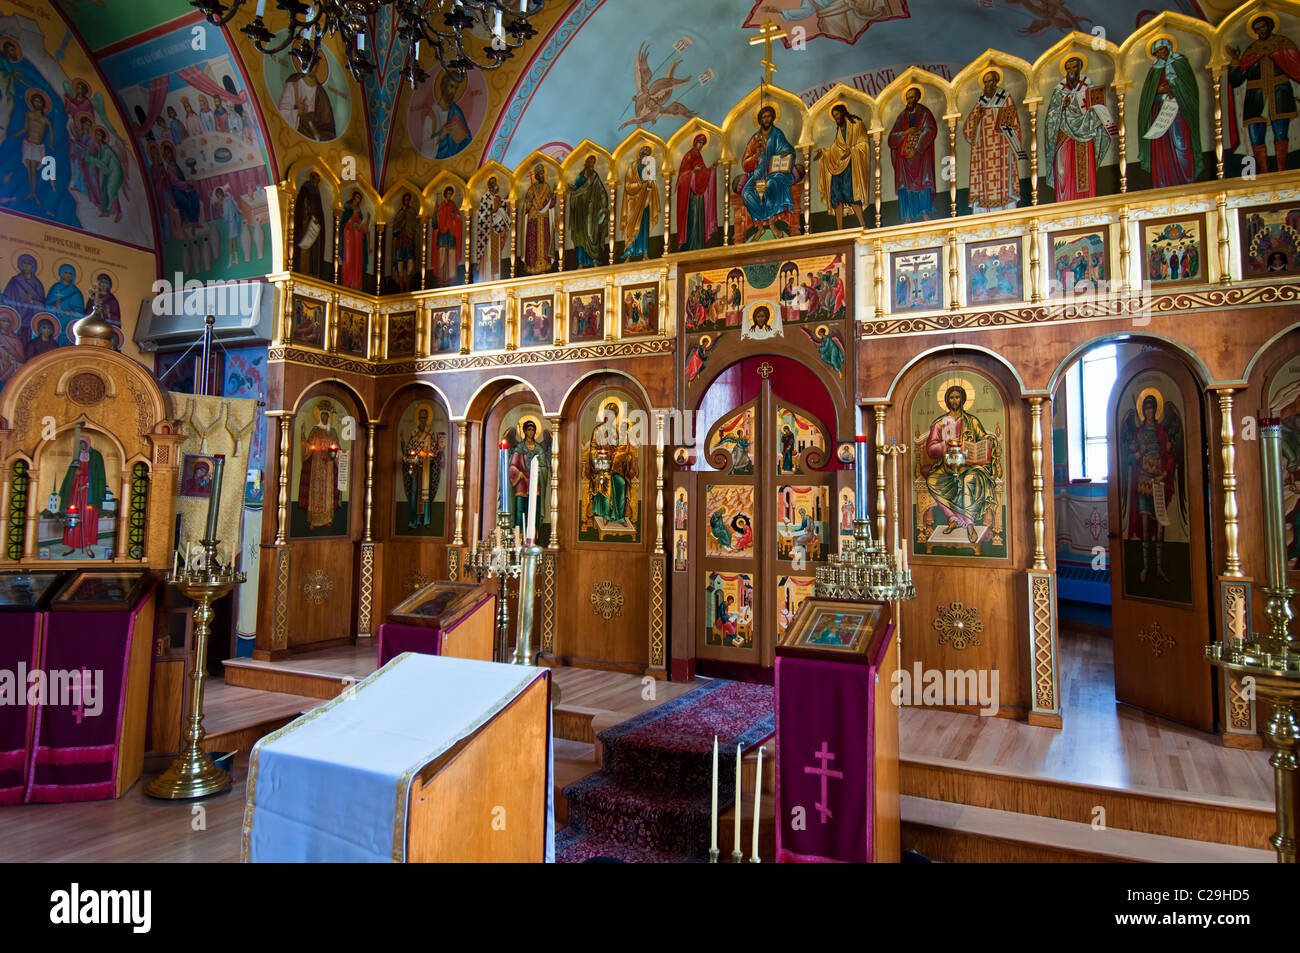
x=169 y=704
x=130 y=757
x=312 y=623
x=884 y=756
x=474 y=637
x=485 y=802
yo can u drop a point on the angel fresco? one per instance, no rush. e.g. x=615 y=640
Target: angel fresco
x=1152 y=474
x=1169 y=117
x=651 y=100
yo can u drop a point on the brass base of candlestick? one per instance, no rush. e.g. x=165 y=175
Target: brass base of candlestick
x=713 y=855
x=737 y=856
x=194 y=774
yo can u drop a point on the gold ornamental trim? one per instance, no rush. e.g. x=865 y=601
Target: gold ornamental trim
x=1155 y=637
x=366 y=595
x=1123 y=305
x=958 y=625
x=548 y=603
x=318 y=587
x=1040 y=594
x=596 y=351
x=658 y=611
x=607 y=599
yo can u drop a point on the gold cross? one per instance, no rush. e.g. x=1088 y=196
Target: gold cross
x=766 y=35
x=765 y=370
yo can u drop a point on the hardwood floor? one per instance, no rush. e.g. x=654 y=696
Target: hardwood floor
x=1101 y=743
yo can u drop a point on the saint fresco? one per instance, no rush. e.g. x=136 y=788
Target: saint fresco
x=1284 y=403
x=843 y=170
x=992 y=127
x=609 y=467
x=1079 y=129
x=765 y=185
x=1169 y=117
x=911 y=148
x=1267 y=69
x=321 y=472
x=527 y=436
x=420 y=492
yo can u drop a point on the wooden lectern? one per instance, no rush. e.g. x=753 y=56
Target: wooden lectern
x=456 y=619
x=428 y=759
x=837 y=795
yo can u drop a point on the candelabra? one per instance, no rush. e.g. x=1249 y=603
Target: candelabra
x=1273 y=660
x=501 y=556
x=863 y=569
x=204 y=579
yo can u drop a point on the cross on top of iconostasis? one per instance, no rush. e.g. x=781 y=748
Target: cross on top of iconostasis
x=769 y=32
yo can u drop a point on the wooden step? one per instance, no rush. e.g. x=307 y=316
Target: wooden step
x=287 y=680
x=962 y=833
x=1230 y=821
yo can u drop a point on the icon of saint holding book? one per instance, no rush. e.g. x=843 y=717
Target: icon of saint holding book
x=963 y=485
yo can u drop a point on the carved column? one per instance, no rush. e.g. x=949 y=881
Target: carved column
x=726 y=203
x=807 y=190
x=514 y=233
x=556 y=424
x=1225 y=259
x=366 y=589
x=1217 y=82
x=424 y=249
x=609 y=309
x=878 y=254
x=559 y=324
x=1036 y=455
x=1033 y=153
x=462 y=427
x=511 y=319
x=289 y=256
x=336 y=247
x=880 y=474
x=612 y=184
x=1124 y=247
x=465 y=243
x=1123 y=141
x=875 y=161
x=659 y=482
x=464 y=324
x=668 y=219
x=285 y=421
x=1035 y=284
x=561 y=204
x=954 y=285
x=952 y=165
x=1232 y=557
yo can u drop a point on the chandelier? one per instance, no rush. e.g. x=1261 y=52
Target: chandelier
x=440 y=25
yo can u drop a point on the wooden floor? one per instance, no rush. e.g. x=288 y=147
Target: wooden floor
x=1101 y=742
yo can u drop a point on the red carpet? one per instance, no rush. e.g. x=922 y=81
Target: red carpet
x=650 y=801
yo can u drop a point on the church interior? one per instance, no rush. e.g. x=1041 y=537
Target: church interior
x=871 y=433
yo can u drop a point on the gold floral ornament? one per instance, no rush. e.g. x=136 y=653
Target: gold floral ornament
x=607 y=599
x=415 y=581
x=1154 y=636
x=318 y=587
x=958 y=625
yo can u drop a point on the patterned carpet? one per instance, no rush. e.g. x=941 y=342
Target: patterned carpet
x=650 y=801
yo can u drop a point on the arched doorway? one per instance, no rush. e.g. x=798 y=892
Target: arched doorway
x=766 y=491
x=1133 y=546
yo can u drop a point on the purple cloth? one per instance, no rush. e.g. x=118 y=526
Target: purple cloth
x=75 y=754
x=18 y=653
x=395 y=638
x=825 y=726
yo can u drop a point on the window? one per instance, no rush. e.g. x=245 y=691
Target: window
x=1090 y=382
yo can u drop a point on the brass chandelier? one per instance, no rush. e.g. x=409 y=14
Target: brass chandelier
x=440 y=25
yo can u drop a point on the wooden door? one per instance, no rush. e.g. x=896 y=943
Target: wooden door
x=1159 y=549
x=764 y=525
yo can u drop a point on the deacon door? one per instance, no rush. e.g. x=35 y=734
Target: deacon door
x=1158 y=547
x=765 y=523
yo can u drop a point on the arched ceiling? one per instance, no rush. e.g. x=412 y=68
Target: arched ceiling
x=579 y=77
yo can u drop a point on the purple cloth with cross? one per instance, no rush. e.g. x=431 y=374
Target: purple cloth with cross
x=19 y=640
x=825 y=725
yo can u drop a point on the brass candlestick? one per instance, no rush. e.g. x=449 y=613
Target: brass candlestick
x=204 y=580
x=1272 y=660
x=499 y=556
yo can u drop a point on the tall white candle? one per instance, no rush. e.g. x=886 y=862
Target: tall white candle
x=758 y=792
x=261 y=7
x=735 y=839
x=532 y=502
x=713 y=811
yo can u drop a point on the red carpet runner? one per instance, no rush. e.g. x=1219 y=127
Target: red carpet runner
x=650 y=801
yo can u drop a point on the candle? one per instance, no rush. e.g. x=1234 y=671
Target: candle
x=860 y=478
x=503 y=478
x=496 y=29
x=735 y=839
x=758 y=792
x=214 y=501
x=176 y=562
x=531 y=535
x=261 y=7
x=361 y=42
x=713 y=811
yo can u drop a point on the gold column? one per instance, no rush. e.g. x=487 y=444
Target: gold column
x=464 y=324
x=285 y=418
x=288 y=230
x=465 y=221
x=1035 y=288
x=1217 y=73
x=954 y=286
x=659 y=482
x=952 y=152
x=424 y=247
x=380 y=232
x=461 y=431
x=880 y=474
x=1232 y=559
x=726 y=203
x=514 y=233
x=668 y=221
x=612 y=183
x=663 y=302
x=561 y=203
x=1123 y=247
x=336 y=246
x=1123 y=141
x=366 y=588
x=556 y=423
x=1225 y=260
x=559 y=325
x=875 y=161
x=1033 y=153
x=878 y=253
x=1036 y=454
x=370 y=479
x=511 y=319
x=807 y=192
x=609 y=309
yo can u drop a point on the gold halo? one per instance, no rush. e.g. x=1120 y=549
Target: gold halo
x=18 y=46
x=961 y=382
x=705 y=341
x=40 y=93
x=1173 y=43
x=1152 y=392
x=422 y=405
x=1074 y=55
x=763 y=104
x=821 y=332
x=323 y=404
x=772 y=311
x=910 y=86
x=991 y=68
x=1263 y=15
x=525 y=419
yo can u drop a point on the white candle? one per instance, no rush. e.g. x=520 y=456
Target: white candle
x=758 y=791
x=361 y=42
x=496 y=29
x=261 y=7
x=532 y=501
x=176 y=563
x=735 y=839
x=713 y=811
